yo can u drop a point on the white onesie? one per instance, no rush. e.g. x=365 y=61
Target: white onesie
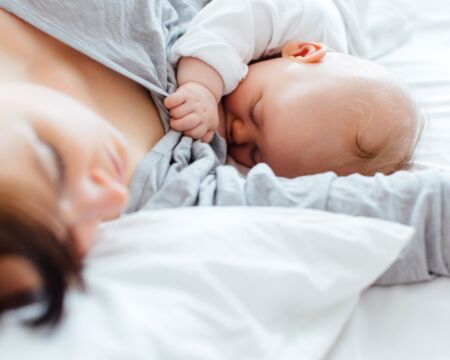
x=229 y=34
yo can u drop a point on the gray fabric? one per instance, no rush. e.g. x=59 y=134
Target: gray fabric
x=180 y=172
x=128 y=36
x=133 y=36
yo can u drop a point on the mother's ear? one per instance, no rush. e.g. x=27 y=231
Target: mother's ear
x=304 y=51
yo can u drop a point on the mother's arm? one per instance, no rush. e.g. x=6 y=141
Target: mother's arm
x=420 y=199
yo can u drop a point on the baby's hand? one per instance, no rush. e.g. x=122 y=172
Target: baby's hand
x=193 y=110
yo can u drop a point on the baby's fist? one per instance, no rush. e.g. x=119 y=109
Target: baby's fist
x=193 y=111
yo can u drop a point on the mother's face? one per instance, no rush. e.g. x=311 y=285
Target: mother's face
x=59 y=148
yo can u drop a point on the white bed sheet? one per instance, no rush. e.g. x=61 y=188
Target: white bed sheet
x=412 y=322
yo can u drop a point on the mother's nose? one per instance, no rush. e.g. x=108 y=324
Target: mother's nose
x=97 y=196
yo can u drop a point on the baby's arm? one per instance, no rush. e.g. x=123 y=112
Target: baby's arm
x=229 y=34
x=193 y=106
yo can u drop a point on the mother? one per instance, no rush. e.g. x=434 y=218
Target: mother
x=66 y=120
x=81 y=108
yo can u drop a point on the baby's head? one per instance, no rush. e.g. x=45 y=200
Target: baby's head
x=308 y=112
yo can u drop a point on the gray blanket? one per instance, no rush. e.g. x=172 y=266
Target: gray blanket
x=133 y=37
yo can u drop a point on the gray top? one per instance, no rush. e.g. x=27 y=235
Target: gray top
x=133 y=38
x=129 y=36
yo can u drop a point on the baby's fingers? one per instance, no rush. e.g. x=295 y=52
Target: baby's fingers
x=186 y=123
x=181 y=111
x=196 y=133
x=176 y=99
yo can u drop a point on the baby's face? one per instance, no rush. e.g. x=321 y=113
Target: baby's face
x=296 y=118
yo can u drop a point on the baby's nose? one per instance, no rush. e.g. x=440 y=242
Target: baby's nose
x=240 y=133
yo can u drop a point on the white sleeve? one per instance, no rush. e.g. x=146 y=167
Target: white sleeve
x=228 y=34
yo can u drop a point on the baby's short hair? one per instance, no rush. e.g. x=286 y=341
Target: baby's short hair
x=402 y=130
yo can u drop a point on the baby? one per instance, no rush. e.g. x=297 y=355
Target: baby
x=306 y=111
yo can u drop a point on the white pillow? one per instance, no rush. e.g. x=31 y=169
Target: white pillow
x=216 y=283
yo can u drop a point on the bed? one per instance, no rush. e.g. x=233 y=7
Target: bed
x=261 y=283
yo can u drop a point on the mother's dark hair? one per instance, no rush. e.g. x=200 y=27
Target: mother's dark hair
x=34 y=241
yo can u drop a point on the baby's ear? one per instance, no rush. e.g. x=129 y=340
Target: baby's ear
x=304 y=51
